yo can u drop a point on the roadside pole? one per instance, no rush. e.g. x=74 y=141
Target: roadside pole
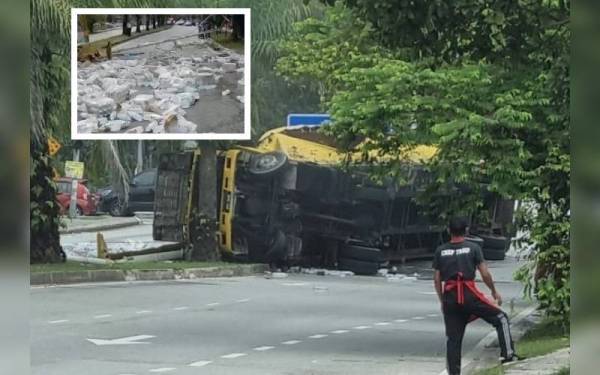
x=74 y=170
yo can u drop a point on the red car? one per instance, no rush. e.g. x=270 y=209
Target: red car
x=86 y=201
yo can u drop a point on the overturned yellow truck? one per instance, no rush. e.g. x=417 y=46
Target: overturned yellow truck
x=288 y=202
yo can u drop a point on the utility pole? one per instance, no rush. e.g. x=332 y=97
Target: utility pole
x=140 y=157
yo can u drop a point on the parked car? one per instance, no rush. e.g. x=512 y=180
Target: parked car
x=180 y=22
x=86 y=201
x=188 y=23
x=141 y=195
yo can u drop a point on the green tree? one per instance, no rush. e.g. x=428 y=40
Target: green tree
x=483 y=91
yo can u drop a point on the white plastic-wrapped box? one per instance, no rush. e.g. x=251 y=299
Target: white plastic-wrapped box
x=99 y=105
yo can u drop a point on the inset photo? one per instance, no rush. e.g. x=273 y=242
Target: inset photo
x=160 y=73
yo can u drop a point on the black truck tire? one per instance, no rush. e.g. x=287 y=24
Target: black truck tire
x=268 y=163
x=491 y=241
x=359 y=267
x=476 y=240
x=367 y=254
x=494 y=254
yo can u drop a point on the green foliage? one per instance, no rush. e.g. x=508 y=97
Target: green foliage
x=468 y=77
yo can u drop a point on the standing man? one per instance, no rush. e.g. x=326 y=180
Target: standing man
x=455 y=264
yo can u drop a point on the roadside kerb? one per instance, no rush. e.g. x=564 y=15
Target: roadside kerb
x=100 y=227
x=485 y=354
x=91 y=276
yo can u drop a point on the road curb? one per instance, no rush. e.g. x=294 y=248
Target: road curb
x=97 y=228
x=93 y=276
x=484 y=355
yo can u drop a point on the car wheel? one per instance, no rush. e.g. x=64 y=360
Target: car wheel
x=79 y=211
x=494 y=254
x=359 y=267
x=116 y=209
x=495 y=242
x=265 y=164
x=368 y=254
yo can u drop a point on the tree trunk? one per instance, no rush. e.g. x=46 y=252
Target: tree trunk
x=43 y=210
x=147 y=22
x=154 y=22
x=204 y=241
x=138 y=21
x=238 y=26
x=126 y=29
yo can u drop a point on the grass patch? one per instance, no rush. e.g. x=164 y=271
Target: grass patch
x=227 y=42
x=71 y=266
x=546 y=337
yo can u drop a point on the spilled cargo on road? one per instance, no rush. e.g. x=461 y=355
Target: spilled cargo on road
x=288 y=201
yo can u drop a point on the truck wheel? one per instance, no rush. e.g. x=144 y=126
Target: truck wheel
x=494 y=254
x=475 y=239
x=359 y=267
x=495 y=242
x=368 y=254
x=264 y=164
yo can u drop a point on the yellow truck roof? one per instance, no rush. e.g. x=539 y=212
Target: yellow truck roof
x=308 y=145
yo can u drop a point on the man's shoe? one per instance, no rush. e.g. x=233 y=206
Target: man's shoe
x=513 y=358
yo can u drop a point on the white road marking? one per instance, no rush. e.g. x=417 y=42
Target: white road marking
x=102 y=316
x=263 y=348
x=243 y=300
x=291 y=342
x=200 y=363
x=58 y=321
x=294 y=284
x=418 y=318
x=400 y=320
x=144 y=312
x=319 y=336
x=362 y=327
x=383 y=324
x=180 y=308
x=131 y=340
x=428 y=293
x=339 y=331
x=432 y=315
x=163 y=369
x=213 y=304
x=233 y=355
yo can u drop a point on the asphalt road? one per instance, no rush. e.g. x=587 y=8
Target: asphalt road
x=302 y=324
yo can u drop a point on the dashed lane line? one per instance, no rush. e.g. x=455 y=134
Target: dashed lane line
x=361 y=327
x=383 y=324
x=200 y=363
x=243 y=300
x=340 y=331
x=319 y=336
x=181 y=308
x=58 y=321
x=103 y=316
x=163 y=369
x=418 y=318
x=401 y=320
x=263 y=348
x=213 y=304
x=291 y=342
x=233 y=355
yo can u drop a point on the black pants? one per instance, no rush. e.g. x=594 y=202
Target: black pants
x=456 y=317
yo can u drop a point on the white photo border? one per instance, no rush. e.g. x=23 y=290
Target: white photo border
x=165 y=136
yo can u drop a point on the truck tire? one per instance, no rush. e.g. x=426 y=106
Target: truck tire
x=359 y=267
x=494 y=254
x=475 y=239
x=491 y=241
x=367 y=254
x=266 y=164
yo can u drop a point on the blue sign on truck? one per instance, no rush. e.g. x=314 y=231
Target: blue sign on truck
x=308 y=119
